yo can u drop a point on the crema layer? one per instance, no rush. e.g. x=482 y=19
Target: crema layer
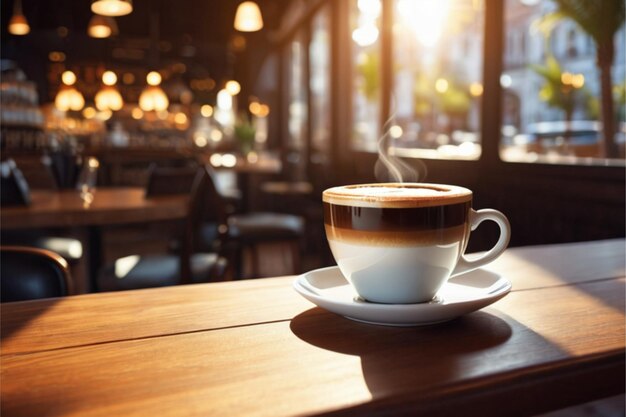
x=396 y=195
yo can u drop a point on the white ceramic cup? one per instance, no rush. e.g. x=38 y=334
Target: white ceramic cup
x=398 y=243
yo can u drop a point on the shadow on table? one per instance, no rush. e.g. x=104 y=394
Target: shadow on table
x=22 y=313
x=409 y=360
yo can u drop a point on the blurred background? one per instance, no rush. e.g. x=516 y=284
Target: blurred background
x=522 y=101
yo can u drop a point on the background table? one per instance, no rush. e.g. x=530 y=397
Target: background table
x=258 y=348
x=110 y=206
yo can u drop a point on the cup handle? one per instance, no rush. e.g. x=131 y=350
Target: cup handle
x=476 y=218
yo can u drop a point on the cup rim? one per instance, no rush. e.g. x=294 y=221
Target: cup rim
x=454 y=194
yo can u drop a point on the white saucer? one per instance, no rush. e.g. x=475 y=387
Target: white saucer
x=328 y=289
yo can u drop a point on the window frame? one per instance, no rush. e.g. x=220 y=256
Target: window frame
x=351 y=165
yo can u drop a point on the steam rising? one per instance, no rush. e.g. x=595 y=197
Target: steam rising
x=390 y=168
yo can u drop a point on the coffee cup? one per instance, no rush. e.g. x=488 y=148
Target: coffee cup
x=398 y=243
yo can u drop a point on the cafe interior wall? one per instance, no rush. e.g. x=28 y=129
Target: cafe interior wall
x=546 y=203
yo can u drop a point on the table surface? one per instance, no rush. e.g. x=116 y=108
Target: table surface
x=65 y=208
x=257 y=348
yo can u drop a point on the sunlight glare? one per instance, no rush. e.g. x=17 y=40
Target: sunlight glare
x=426 y=18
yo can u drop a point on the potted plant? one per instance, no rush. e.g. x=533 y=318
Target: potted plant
x=245 y=133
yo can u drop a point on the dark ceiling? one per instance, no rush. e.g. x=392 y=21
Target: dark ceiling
x=198 y=33
x=205 y=20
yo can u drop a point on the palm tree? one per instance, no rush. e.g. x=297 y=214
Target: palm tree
x=557 y=92
x=600 y=19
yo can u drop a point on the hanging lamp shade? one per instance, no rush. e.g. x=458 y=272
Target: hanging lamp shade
x=18 y=25
x=248 y=17
x=68 y=97
x=153 y=98
x=108 y=98
x=101 y=26
x=112 y=7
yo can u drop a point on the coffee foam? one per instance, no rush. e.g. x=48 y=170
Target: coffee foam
x=396 y=195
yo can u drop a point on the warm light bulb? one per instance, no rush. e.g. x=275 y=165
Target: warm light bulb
x=180 y=118
x=109 y=78
x=216 y=135
x=68 y=78
x=255 y=108
x=18 y=25
x=137 y=113
x=112 y=7
x=206 y=110
x=101 y=26
x=99 y=31
x=153 y=78
x=89 y=112
x=56 y=56
x=248 y=17
x=233 y=87
x=264 y=110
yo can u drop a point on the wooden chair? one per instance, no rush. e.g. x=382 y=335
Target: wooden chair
x=248 y=231
x=183 y=264
x=38 y=173
x=28 y=273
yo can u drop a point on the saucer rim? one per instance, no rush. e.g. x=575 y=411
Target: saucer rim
x=455 y=308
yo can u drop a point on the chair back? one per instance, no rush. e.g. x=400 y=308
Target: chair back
x=29 y=273
x=211 y=205
x=38 y=172
x=170 y=180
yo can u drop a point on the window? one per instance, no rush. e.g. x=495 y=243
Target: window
x=297 y=108
x=365 y=23
x=437 y=78
x=319 y=81
x=552 y=103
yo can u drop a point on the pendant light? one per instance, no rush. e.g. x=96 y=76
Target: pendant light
x=108 y=98
x=112 y=7
x=101 y=26
x=18 y=25
x=153 y=97
x=248 y=17
x=68 y=97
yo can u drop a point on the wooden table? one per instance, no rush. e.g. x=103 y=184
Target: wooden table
x=110 y=206
x=258 y=348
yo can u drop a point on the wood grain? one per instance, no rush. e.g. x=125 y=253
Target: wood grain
x=107 y=317
x=322 y=363
x=546 y=266
x=110 y=206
